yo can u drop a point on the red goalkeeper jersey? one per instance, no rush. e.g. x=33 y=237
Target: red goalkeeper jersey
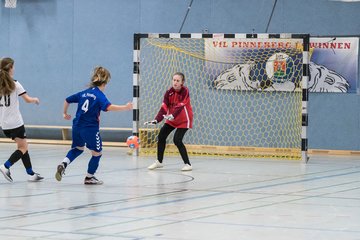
x=178 y=104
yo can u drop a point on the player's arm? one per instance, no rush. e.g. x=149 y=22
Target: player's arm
x=29 y=99
x=164 y=108
x=66 y=107
x=113 y=107
x=163 y=111
x=71 y=99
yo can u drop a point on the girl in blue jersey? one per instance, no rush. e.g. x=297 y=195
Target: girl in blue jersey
x=85 y=129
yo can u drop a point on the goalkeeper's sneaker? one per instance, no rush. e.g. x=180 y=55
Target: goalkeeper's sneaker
x=60 y=172
x=155 y=165
x=35 y=178
x=187 y=167
x=92 y=181
x=6 y=173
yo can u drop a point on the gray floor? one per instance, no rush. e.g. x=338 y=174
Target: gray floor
x=219 y=199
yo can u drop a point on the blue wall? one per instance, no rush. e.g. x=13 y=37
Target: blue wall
x=56 y=43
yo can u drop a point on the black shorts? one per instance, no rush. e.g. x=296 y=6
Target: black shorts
x=15 y=132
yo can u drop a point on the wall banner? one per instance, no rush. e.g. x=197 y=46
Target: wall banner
x=261 y=67
x=334 y=64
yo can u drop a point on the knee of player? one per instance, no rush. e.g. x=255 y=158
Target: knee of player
x=80 y=148
x=162 y=138
x=21 y=145
x=178 y=142
x=23 y=150
x=96 y=154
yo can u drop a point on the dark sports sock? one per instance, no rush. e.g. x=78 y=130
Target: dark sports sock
x=93 y=164
x=27 y=163
x=74 y=153
x=13 y=158
x=30 y=171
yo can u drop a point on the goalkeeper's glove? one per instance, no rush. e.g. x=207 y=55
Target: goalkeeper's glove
x=152 y=122
x=169 y=117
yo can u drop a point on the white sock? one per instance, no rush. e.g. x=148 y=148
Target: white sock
x=66 y=160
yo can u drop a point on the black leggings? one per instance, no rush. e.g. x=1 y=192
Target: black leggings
x=178 y=137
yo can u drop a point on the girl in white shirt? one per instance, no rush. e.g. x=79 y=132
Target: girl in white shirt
x=11 y=120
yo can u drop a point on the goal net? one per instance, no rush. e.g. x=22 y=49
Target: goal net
x=248 y=92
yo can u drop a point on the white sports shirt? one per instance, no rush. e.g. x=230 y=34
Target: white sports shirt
x=10 y=116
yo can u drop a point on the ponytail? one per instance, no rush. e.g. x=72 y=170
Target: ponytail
x=7 y=84
x=100 y=76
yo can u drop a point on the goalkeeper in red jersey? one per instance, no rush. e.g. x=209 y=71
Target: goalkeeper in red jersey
x=177 y=111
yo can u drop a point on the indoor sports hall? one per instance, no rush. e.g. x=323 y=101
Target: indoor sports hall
x=274 y=142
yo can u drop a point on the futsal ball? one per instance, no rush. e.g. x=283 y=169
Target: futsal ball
x=133 y=142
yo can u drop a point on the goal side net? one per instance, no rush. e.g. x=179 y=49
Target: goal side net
x=248 y=92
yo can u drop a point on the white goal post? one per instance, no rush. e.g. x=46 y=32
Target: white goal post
x=249 y=91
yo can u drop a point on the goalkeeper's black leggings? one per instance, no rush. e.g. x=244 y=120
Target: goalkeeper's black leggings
x=178 y=137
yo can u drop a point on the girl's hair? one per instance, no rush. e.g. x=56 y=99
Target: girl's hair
x=100 y=75
x=180 y=74
x=7 y=84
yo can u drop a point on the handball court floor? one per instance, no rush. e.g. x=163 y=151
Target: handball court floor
x=222 y=198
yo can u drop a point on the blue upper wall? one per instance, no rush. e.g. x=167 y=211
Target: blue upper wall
x=56 y=43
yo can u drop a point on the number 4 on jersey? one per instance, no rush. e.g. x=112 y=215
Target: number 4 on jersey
x=85 y=106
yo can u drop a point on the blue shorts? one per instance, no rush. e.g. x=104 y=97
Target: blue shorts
x=89 y=136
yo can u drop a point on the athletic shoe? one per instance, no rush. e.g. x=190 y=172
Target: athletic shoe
x=187 y=167
x=155 y=165
x=60 y=172
x=92 y=181
x=6 y=173
x=35 y=178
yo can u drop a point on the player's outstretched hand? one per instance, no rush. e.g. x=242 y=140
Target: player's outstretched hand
x=67 y=116
x=129 y=106
x=36 y=101
x=152 y=122
x=169 y=117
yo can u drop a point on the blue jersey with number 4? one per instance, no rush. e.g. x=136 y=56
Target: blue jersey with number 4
x=90 y=103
